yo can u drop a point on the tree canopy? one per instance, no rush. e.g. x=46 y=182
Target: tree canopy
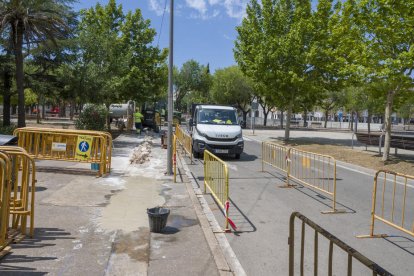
x=29 y=23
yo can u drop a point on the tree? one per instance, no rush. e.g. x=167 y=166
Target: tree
x=231 y=87
x=117 y=56
x=193 y=83
x=32 y=22
x=355 y=103
x=406 y=110
x=386 y=30
x=6 y=74
x=326 y=75
x=273 y=46
x=330 y=101
x=44 y=73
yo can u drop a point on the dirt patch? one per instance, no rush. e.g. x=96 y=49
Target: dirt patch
x=135 y=244
x=367 y=159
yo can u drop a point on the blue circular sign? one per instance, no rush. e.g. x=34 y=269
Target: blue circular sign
x=83 y=146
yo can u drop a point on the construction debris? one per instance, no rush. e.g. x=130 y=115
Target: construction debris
x=141 y=154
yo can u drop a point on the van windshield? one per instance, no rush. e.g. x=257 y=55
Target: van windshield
x=217 y=117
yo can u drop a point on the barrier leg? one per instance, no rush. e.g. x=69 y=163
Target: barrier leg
x=288 y=162
x=374 y=202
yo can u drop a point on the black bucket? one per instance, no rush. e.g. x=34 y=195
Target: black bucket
x=157 y=217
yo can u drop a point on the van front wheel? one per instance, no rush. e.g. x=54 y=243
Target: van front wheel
x=196 y=154
x=237 y=155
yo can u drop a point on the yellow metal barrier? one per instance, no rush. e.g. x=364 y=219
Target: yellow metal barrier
x=44 y=144
x=274 y=155
x=394 y=201
x=105 y=134
x=314 y=170
x=175 y=157
x=352 y=253
x=17 y=188
x=216 y=179
x=23 y=184
x=311 y=169
x=185 y=141
x=5 y=185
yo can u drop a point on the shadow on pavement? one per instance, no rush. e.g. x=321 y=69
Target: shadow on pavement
x=42 y=238
x=405 y=243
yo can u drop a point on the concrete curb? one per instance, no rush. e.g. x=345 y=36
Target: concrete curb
x=224 y=256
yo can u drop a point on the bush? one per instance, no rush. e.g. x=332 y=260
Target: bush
x=92 y=117
x=8 y=130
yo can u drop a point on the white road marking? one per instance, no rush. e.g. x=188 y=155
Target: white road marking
x=232 y=167
x=251 y=139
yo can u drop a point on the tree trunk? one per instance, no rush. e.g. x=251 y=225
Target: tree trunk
x=356 y=121
x=245 y=116
x=18 y=48
x=265 y=116
x=352 y=121
x=369 y=121
x=326 y=118
x=108 y=119
x=72 y=109
x=305 y=121
x=38 y=112
x=43 y=109
x=281 y=119
x=62 y=109
x=387 y=127
x=287 y=129
x=6 y=97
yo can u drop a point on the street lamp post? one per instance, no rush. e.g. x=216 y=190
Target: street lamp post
x=170 y=91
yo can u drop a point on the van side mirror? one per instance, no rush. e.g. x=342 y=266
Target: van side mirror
x=191 y=122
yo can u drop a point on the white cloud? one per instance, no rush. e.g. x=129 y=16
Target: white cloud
x=228 y=37
x=157 y=6
x=235 y=8
x=207 y=9
x=199 y=5
x=214 y=2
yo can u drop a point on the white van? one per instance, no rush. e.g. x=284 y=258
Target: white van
x=216 y=128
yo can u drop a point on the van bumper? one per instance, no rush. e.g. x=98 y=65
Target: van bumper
x=199 y=146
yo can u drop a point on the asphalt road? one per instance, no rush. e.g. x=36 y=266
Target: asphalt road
x=261 y=209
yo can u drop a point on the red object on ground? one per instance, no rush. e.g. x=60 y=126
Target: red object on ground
x=229 y=219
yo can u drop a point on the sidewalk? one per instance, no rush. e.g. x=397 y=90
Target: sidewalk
x=99 y=226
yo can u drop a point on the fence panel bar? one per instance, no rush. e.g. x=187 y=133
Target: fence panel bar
x=352 y=253
x=403 y=197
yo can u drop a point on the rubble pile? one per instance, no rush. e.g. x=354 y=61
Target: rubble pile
x=141 y=154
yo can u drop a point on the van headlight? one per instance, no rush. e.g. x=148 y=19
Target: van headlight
x=201 y=133
x=240 y=135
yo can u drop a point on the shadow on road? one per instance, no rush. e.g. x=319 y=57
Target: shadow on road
x=405 y=243
x=323 y=199
x=319 y=140
x=240 y=219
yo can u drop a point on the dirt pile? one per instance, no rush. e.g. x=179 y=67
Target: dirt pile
x=142 y=153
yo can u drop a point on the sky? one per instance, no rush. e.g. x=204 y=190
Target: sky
x=204 y=30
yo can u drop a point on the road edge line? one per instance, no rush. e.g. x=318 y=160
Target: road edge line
x=212 y=229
